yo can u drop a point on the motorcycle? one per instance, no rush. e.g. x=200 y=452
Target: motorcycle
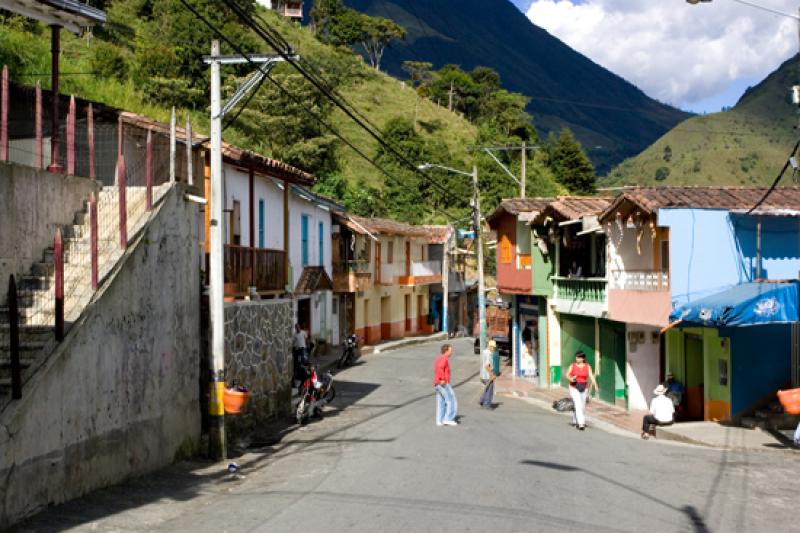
x=349 y=352
x=315 y=393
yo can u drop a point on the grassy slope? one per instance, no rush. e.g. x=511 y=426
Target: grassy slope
x=379 y=96
x=745 y=146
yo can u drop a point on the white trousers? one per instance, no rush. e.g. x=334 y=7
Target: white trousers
x=579 y=400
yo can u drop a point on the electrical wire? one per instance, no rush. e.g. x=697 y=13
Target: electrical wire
x=267 y=32
x=314 y=115
x=777 y=180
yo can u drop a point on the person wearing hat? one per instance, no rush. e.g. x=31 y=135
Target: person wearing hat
x=662 y=411
x=579 y=374
x=488 y=374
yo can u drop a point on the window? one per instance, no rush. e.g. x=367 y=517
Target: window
x=505 y=249
x=321 y=233
x=236 y=225
x=261 y=223
x=304 y=240
x=390 y=253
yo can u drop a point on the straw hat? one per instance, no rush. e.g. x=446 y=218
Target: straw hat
x=661 y=389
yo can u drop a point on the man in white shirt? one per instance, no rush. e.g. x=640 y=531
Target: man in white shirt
x=487 y=374
x=662 y=411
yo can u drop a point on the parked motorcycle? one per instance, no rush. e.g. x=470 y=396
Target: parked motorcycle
x=350 y=352
x=315 y=393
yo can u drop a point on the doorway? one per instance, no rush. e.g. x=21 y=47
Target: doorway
x=695 y=381
x=421 y=315
x=368 y=337
x=304 y=314
x=408 y=313
x=386 y=318
x=611 y=378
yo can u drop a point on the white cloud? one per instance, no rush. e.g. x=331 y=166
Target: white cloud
x=676 y=52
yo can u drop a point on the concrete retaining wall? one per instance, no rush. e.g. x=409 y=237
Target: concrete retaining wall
x=33 y=203
x=119 y=396
x=258 y=355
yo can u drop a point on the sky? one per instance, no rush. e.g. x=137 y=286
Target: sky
x=696 y=57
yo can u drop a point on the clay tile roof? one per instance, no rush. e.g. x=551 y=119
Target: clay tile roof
x=650 y=199
x=386 y=226
x=313 y=279
x=572 y=207
x=515 y=206
x=436 y=234
x=230 y=153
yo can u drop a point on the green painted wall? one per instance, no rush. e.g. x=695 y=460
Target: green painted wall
x=543 y=267
x=716 y=350
x=611 y=378
x=543 y=340
x=577 y=333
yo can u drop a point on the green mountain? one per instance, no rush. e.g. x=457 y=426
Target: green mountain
x=611 y=117
x=746 y=145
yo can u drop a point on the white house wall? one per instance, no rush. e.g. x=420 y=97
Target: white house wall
x=623 y=254
x=237 y=188
x=641 y=369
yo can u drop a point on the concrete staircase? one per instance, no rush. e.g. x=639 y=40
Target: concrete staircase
x=36 y=289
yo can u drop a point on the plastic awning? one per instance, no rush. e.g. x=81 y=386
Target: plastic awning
x=748 y=304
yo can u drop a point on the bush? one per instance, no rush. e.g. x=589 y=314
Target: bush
x=662 y=173
x=108 y=61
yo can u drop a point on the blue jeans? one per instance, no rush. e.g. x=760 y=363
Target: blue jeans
x=446 y=403
x=488 y=392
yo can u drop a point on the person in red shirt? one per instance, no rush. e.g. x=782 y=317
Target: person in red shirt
x=446 y=403
x=579 y=374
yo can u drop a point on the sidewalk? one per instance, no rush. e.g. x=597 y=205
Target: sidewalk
x=615 y=418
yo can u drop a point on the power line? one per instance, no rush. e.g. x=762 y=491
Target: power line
x=778 y=179
x=316 y=116
x=267 y=32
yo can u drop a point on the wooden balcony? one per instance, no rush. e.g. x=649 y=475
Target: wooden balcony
x=352 y=276
x=247 y=267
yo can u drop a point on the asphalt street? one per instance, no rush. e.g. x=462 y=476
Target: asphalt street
x=378 y=463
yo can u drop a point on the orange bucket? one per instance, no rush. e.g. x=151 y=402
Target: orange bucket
x=790 y=400
x=234 y=400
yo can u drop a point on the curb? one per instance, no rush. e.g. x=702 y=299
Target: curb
x=403 y=343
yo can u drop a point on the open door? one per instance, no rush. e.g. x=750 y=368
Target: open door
x=695 y=381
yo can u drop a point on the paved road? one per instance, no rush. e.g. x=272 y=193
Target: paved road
x=378 y=463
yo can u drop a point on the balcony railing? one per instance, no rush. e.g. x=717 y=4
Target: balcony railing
x=352 y=276
x=580 y=289
x=639 y=280
x=259 y=267
x=426 y=268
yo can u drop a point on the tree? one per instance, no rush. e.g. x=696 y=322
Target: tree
x=421 y=75
x=378 y=33
x=571 y=166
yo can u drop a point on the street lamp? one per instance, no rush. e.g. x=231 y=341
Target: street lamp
x=476 y=221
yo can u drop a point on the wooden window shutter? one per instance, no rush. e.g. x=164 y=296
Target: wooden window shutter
x=505 y=249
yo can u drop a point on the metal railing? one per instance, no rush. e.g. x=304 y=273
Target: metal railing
x=639 y=280
x=247 y=267
x=581 y=289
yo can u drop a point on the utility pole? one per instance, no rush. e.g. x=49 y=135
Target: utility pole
x=524 y=163
x=216 y=410
x=450 y=98
x=479 y=250
x=446 y=282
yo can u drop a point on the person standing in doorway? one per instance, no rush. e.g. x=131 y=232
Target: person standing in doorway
x=488 y=375
x=579 y=374
x=446 y=403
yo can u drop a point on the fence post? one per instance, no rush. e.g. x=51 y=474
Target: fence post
x=38 y=126
x=120 y=134
x=4 y=115
x=189 y=165
x=90 y=139
x=71 y=137
x=123 y=210
x=59 y=275
x=148 y=171
x=93 y=237
x=13 y=331
x=172 y=147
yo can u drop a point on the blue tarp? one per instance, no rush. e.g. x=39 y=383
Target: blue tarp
x=748 y=304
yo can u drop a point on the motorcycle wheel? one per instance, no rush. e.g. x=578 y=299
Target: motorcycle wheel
x=330 y=395
x=300 y=412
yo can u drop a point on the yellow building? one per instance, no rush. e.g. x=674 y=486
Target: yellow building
x=382 y=273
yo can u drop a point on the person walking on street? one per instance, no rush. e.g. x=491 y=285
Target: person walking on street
x=662 y=411
x=488 y=374
x=579 y=374
x=446 y=403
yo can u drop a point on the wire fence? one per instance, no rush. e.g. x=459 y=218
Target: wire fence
x=133 y=160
